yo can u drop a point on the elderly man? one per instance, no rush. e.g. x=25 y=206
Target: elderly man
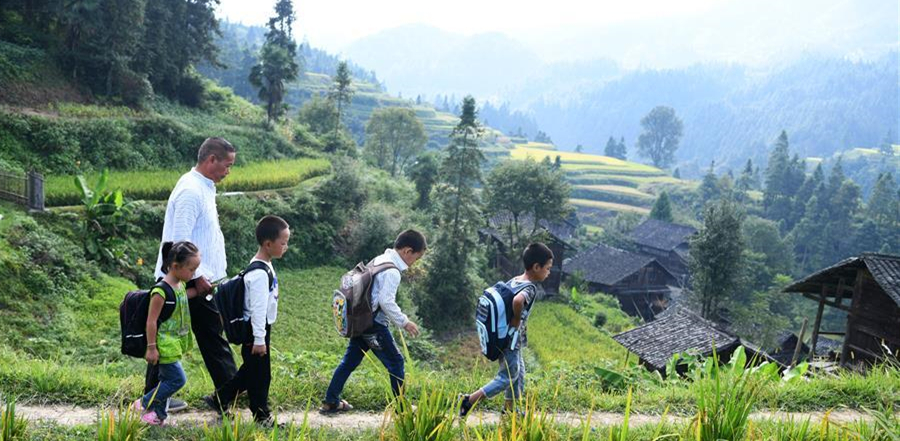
x=191 y=214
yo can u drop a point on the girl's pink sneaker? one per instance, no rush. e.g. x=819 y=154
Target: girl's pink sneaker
x=137 y=406
x=151 y=419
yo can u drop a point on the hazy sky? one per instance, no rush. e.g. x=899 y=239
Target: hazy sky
x=333 y=24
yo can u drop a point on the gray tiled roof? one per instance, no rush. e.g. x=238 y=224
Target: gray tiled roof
x=885 y=269
x=606 y=265
x=660 y=234
x=563 y=230
x=677 y=331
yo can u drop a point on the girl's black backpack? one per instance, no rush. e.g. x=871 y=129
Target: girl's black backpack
x=133 y=318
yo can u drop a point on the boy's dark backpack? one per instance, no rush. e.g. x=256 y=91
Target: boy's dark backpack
x=492 y=317
x=133 y=318
x=229 y=298
x=352 y=303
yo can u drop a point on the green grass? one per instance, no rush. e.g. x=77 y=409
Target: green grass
x=156 y=185
x=73 y=358
x=556 y=333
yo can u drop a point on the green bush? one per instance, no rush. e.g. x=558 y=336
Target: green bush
x=86 y=138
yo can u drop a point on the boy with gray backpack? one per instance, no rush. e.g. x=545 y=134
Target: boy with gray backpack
x=501 y=319
x=364 y=306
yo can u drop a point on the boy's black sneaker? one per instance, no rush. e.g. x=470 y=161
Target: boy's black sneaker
x=464 y=406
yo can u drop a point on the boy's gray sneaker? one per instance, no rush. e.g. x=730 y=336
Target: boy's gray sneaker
x=176 y=405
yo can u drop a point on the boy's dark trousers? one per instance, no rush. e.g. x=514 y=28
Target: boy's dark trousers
x=207 y=327
x=254 y=376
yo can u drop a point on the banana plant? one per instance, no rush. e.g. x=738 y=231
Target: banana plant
x=104 y=221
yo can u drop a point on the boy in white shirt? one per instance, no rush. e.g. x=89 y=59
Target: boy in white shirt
x=261 y=306
x=409 y=247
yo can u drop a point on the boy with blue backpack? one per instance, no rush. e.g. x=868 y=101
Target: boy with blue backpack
x=501 y=321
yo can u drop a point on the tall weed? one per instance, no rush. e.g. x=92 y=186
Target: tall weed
x=11 y=427
x=123 y=425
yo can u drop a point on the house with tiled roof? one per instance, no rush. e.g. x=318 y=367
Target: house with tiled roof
x=641 y=284
x=667 y=242
x=499 y=232
x=867 y=288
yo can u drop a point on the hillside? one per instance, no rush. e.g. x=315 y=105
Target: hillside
x=239 y=42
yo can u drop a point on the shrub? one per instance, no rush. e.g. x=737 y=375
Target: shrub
x=372 y=232
x=599 y=319
x=190 y=90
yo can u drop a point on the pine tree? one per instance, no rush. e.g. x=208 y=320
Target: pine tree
x=277 y=61
x=662 y=208
x=802 y=197
x=745 y=181
x=340 y=94
x=611 y=147
x=716 y=257
x=448 y=291
x=709 y=187
x=776 y=197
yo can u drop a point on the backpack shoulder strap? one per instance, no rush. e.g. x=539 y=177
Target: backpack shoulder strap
x=260 y=265
x=376 y=270
x=170 y=300
x=520 y=288
x=382 y=267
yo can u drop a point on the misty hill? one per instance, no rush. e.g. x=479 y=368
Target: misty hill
x=732 y=113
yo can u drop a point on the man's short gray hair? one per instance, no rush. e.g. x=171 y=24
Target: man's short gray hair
x=219 y=147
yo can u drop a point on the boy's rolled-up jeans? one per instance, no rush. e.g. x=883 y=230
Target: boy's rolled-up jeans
x=510 y=377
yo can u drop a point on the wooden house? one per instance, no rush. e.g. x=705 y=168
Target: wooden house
x=867 y=288
x=499 y=231
x=667 y=242
x=640 y=282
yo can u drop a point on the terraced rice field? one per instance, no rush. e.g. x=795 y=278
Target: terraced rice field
x=156 y=185
x=602 y=181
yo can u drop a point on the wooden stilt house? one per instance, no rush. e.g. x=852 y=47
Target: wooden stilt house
x=867 y=288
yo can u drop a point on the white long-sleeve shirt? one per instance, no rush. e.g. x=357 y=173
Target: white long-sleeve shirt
x=191 y=214
x=384 y=290
x=260 y=302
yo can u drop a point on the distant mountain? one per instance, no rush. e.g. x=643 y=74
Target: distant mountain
x=420 y=59
x=731 y=113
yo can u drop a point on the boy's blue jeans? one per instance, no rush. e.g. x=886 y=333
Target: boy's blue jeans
x=510 y=377
x=389 y=356
x=171 y=380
